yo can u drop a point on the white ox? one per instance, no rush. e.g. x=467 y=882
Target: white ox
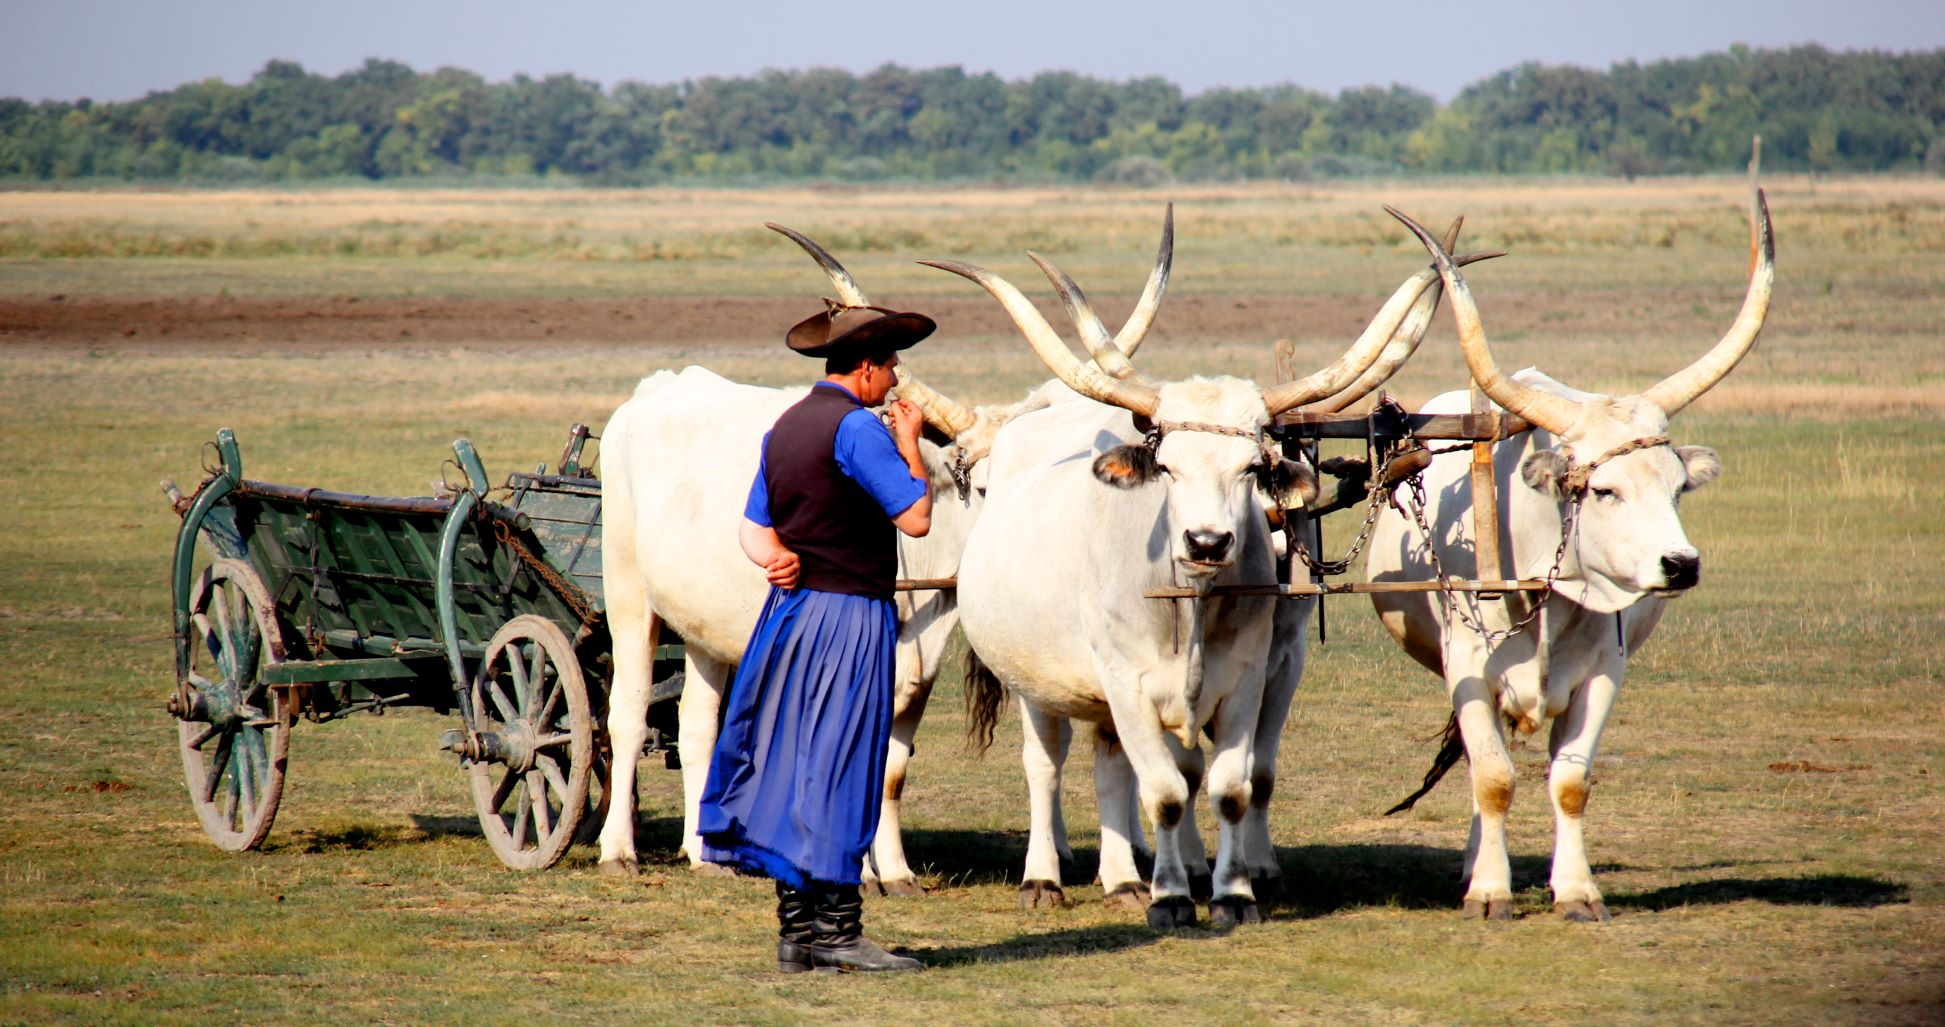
x=1048 y=736
x=1610 y=459
x=1052 y=580
x=678 y=458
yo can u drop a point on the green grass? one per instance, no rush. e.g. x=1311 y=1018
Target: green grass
x=1768 y=823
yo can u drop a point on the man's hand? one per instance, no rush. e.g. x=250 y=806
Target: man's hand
x=782 y=569
x=906 y=422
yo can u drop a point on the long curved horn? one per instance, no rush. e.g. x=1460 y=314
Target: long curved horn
x=848 y=292
x=1105 y=351
x=1362 y=354
x=1685 y=386
x=1554 y=413
x=1404 y=342
x=1128 y=339
x=941 y=411
x=1086 y=377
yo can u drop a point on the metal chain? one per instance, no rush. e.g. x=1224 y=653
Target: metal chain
x=1491 y=635
x=567 y=590
x=1377 y=495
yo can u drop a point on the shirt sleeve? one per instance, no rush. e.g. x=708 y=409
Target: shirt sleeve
x=757 y=508
x=866 y=452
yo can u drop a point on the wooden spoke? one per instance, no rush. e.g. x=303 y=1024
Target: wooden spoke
x=232 y=761
x=530 y=813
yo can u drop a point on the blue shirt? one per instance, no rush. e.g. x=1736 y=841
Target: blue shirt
x=865 y=452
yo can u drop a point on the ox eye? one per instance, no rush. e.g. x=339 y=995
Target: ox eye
x=1606 y=495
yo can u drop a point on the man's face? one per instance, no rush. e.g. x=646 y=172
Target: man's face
x=877 y=380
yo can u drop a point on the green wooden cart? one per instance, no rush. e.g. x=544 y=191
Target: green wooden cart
x=298 y=603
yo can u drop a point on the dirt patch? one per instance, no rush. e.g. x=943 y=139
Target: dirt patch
x=169 y=324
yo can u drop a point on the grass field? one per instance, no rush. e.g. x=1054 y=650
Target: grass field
x=1769 y=824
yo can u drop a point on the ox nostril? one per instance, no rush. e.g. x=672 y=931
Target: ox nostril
x=1681 y=570
x=1208 y=545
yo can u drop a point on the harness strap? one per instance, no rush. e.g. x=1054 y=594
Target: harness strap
x=1577 y=474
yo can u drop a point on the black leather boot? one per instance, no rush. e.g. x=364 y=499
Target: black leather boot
x=841 y=944
x=796 y=929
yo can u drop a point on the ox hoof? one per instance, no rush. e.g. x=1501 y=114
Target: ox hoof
x=1202 y=887
x=1582 y=911
x=1487 y=909
x=711 y=870
x=1234 y=910
x=901 y=887
x=623 y=867
x=1129 y=898
x=1041 y=895
x=1172 y=912
x=1267 y=888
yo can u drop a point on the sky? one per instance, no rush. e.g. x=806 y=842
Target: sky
x=123 y=49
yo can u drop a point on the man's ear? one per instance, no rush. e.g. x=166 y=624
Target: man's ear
x=1701 y=463
x=1126 y=467
x=1544 y=471
x=1291 y=479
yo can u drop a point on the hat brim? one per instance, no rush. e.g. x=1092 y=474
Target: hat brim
x=894 y=331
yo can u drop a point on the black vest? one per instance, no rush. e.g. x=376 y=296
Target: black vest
x=840 y=534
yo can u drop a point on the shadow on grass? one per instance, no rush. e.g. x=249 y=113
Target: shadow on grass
x=1821 y=890
x=1077 y=942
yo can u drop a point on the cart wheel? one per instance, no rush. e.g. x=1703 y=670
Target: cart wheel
x=531 y=705
x=234 y=732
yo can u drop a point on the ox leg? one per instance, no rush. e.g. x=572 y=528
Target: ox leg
x=1188 y=837
x=1043 y=751
x=633 y=628
x=1157 y=758
x=1279 y=690
x=886 y=872
x=1114 y=779
x=704 y=682
x=1235 y=726
x=1488 y=870
x=1572 y=743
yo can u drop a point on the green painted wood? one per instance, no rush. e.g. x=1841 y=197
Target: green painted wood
x=361 y=669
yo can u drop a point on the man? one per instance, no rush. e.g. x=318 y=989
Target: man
x=794 y=782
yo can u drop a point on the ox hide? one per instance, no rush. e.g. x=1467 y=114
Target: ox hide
x=677 y=460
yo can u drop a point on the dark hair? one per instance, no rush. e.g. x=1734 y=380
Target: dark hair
x=848 y=360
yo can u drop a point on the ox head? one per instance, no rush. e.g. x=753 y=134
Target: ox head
x=964 y=434
x=1612 y=455
x=1205 y=439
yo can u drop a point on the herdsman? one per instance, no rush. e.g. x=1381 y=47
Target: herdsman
x=794 y=783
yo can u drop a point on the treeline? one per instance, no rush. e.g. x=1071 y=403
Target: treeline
x=1816 y=110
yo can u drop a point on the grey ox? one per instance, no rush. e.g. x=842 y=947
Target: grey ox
x=1090 y=505
x=1589 y=498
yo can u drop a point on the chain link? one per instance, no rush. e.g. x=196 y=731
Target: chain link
x=567 y=590
x=1376 y=495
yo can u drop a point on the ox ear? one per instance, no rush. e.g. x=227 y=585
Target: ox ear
x=1126 y=467
x=1545 y=471
x=1701 y=463
x=1292 y=480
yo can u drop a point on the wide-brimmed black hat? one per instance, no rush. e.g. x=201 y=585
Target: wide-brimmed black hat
x=840 y=329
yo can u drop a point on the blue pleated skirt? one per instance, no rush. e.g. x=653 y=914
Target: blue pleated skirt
x=796 y=778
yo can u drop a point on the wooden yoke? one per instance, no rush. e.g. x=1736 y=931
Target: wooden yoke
x=1485 y=504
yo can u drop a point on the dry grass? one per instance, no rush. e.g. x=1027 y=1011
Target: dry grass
x=1767 y=823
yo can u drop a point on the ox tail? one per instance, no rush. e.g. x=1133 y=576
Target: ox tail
x=983 y=694
x=1451 y=750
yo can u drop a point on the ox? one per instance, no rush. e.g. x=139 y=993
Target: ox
x=1089 y=506
x=678 y=457
x=1593 y=509
x=1049 y=735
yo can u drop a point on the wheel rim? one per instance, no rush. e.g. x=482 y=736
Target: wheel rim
x=234 y=734
x=530 y=705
